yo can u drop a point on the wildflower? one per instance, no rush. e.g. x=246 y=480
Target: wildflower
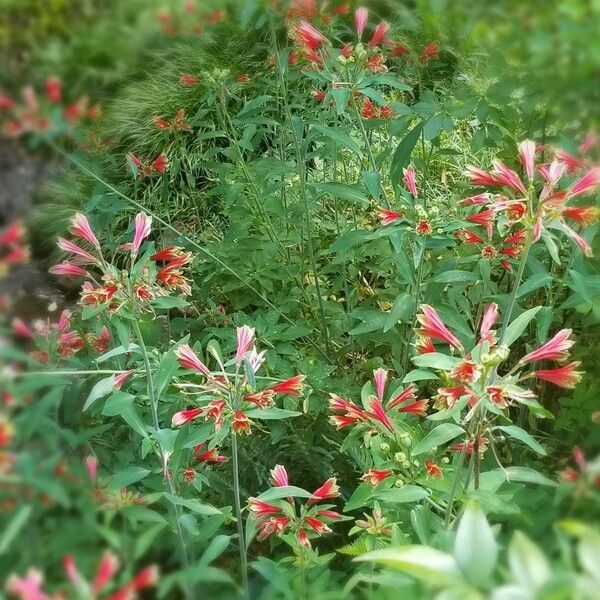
x=582 y=215
x=84 y=257
x=398 y=49
x=518 y=237
x=376 y=476
x=53 y=90
x=185 y=416
x=497 y=395
x=318 y=95
x=410 y=181
x=67 y=269
x=555 y=349
x=27 y=587
x=142 y=230
x=303 y=538
x=243 y=78
x=188 y=80
x=527 y=156
x=487 y=322
x=275 y=525
x=208 y=456
x=386 y=112
x=361 y=17
x=433 y=327
x=484 y=218
x=328 y=490
x=262 y=399
x=424 y=345
x=259 y=508
x=368 y=110
x=433 y=470
x=447 y=397
x=161 y=163
x=107 y=568
x=245 y=335
x=214 y=411
x=279 y=476
x=241 y=423
x=378 y=413
x=477 y=199
x=429 y=52
x=121 y=378
x=565 y=376
x=469 y=446
x=309 y=36
x=419 y=408
x=466 y=372
x=576 y=238
x=388 y=216
x=405 y=395
x=380 y=377
x=423 y=227
x=100 y=342
x=290 y=387
x=20 y=329
x=589 y=141
x=586 y=184
x=376 y=63
x=317 y=525
x=91 y=466
x=379 y=35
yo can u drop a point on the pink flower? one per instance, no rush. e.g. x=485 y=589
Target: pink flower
x=538 y=228
x=71 y=571
x=20 y=329
x=588 y=183
x=188 y=360
x=309 y=36
x=378 y=413
x=433 y=327
x=405 y=395
x=487 y=322
x=577 y=239
x=316 y=525
x=80 y=227
x=91 y=466
x=380 y=378
x=418 y=407
x=328 y=490
x=565 y=376
x=121 y=378
x=259 y=508
x=474 y=200
x=245 y=335
x=279 y=476
x=507 y=177
x=379 y=34
x=67 y=269
x=589 y=141
x=28 y=587
x=185 y=416
x=555 y=349
x=484 y=218
x=480 y=177
x=410 y=181
x=107 y=568
x=527 y=156
x=361 y=17
x=142 y=230
x=303 y=538
x=84 y=256
x=388 y=216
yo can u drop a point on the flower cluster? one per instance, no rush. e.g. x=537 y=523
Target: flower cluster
x=177 y=123
x=232 y=399
x=534 y=209
x=280 y=516
x=34 y=114
x=29 y=587
x=159 y=165
x=191 y=22
x=472 y=378
x=148 y=278
x=13 y=249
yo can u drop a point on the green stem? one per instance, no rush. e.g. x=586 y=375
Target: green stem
x=185 y=563
x=238 y=515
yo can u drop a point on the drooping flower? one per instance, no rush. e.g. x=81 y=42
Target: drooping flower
x=576 y=238
x=107 y=568
x=27 y=587
x=241 y=423
x=91 y=466
x=418 y=407
x=388 y=216
x=309 y=36
x=478 y=176
x=555 y=349
x=410 y=181
x=121 y=378
x=260 y=508
x=376 y=476
x=84 y=257
x=21 y=329
x=582 y=215
x=447 y=397
x=507 y=177
x=433 y=327
x=565 y=376
x=208 y=456
x=188 y=360
x=317 y=525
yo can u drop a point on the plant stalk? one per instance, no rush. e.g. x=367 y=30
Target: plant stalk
x=238 y=515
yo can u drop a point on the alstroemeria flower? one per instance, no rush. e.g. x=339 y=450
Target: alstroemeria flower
x=376 y=476
x=245 y=335
x=554 y=349
x=433 y=327
x=361 y=17
x=143 y=224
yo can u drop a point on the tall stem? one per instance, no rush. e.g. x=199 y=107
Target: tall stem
x=238 y=515
x=185 y=563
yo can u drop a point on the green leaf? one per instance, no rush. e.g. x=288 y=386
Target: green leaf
x=339 y=137
x=528 y=564
x=422 y=562
x=536 y=281
x=419 y=375
x=271 y=413
x=217 y=546
x=283 y=492
x=343 y=191
x=475 y=547
x=402 y=154
x=101 y=388
x=436 y=360
x=455 y=277
x=372 y=181
x=14 y=527
x=521 y=435
x=273 y=574
x=128 y=476
x=359 y=497
x=403 y=308
x=526 y=475
x=436 y=437
x=406 y=493
x=518 y=326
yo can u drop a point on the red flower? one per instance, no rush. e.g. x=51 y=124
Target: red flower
x=566 y=376
x=290 y=387
x=429 y=52
x=279 y=476
x=208 y=456
x=432 y=469
x=316 y=525
x=405 y=395
x=188 y=80
x=376 y=63
x=369 y=110
x=582 y=215
x=328 y=490
x=466 y=372
x=378 y=413
x=386 y=112
x=308 y=36
x=507 y=177
x=318 y=95
x=259 y=508
x=555 y=349
x=388 y=216
x=53 y=90
x=379 y=35
x=419 y=407
x=398 y=49
x=497 y=395
x=184 y=416
x=424 y=345
x=241 y=423
x=485 y=218
x=423 y=227
x=376 y=476
x=243 y=78
x=262 y=399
